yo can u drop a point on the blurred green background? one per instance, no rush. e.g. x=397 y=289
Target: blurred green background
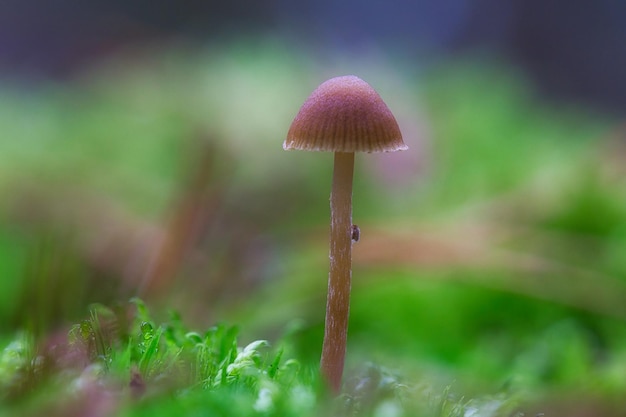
x=492 y=252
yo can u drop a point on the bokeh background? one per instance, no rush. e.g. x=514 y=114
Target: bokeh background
x=573 y=50
x=140 y=155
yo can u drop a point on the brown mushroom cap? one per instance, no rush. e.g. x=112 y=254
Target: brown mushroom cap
x=344 y=114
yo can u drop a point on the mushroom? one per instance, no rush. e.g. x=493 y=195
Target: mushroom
x=343 y=115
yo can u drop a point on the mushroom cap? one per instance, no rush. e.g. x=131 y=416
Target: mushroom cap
x=344 y=114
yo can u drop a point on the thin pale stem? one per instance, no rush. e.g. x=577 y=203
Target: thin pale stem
x=339 y=278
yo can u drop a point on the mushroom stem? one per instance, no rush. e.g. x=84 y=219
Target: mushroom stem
x=338 y=302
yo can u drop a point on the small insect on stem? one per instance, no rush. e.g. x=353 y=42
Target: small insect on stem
x=356 y=233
